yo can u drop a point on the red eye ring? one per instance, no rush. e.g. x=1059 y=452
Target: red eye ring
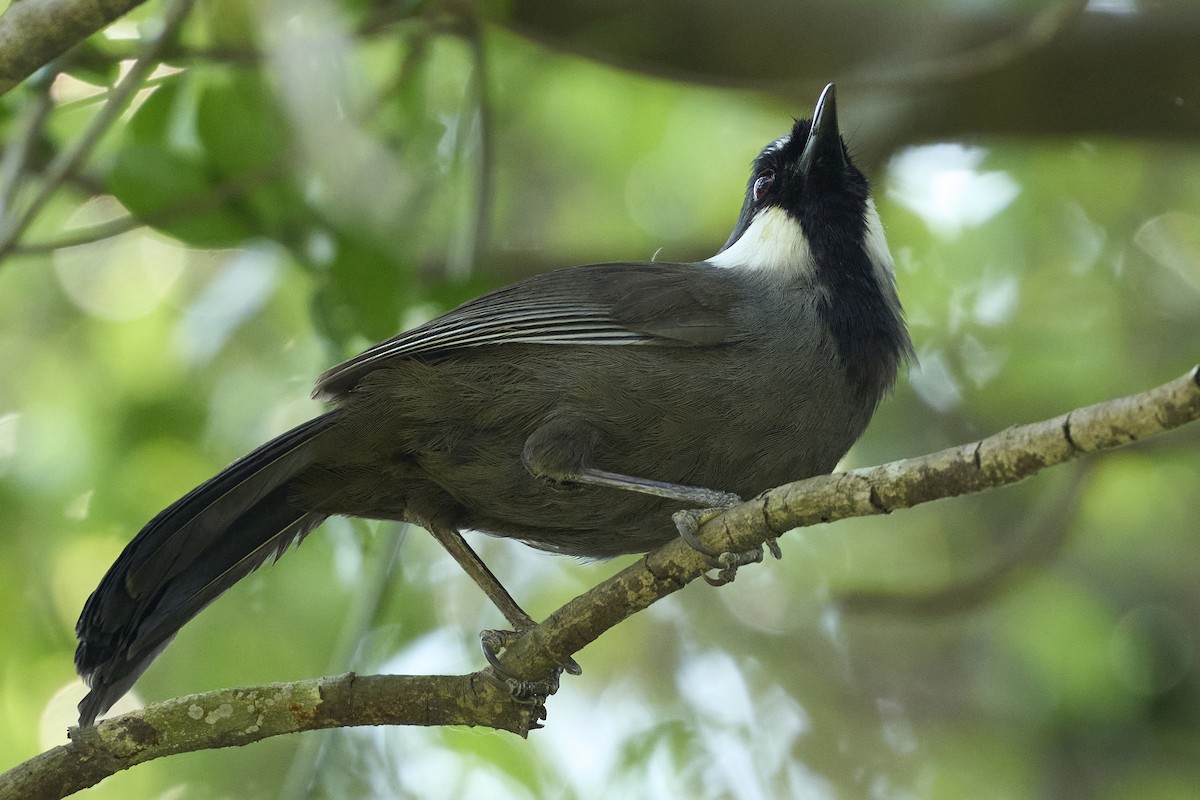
x=762 y=184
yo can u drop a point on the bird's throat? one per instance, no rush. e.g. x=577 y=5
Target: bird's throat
x=773 y=243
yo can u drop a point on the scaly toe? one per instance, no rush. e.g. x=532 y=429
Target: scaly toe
x=522 y=691
x=689 y=521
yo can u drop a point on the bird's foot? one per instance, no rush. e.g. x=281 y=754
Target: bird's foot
x=688 y=523
x=531 y=692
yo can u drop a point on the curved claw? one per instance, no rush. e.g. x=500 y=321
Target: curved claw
x=773 y=546
x=522 y=691
x=688 y=522
x=525 y=692
x=493 y=641
x=727 y=565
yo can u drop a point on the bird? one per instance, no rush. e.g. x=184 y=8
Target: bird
x=576 y=411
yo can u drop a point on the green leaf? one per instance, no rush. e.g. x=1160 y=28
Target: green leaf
x=159 y=173
x=173 y=193
x=246 y=140
x=91 y=64
x=241 y=127
x=163 y=115
x=365 y=294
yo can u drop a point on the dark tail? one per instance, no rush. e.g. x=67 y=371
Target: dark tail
x=188 y=555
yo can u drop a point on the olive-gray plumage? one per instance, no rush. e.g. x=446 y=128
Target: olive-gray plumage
x=472 y=441
x=759 y=366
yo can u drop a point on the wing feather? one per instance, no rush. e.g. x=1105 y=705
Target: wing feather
x=605 y=305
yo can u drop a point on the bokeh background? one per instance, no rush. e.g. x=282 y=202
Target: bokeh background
x=298 y=180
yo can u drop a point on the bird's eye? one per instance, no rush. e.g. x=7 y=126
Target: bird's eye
x=762 y=184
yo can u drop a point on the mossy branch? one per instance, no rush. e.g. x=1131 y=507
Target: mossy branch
x=35 y=32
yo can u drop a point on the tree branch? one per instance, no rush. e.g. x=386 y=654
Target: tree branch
x=999 y=460
x=33 y=34
x=70 y=158
x=235 y=717
x=1039 y=32
x=1037 y=540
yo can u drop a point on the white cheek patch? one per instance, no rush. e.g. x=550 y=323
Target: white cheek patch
x=774 y=242
x=875 y=243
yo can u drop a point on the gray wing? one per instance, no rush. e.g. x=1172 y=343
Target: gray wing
x=602 y=305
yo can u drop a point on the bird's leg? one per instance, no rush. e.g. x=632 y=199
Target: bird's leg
x=493 y=641
x=561 y=450
x=688 y=521
x=473 y=565
x=701 y=497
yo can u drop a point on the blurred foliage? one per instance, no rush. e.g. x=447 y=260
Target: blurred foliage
x=301 y=204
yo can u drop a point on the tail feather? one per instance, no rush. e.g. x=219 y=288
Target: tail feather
x=186 y=557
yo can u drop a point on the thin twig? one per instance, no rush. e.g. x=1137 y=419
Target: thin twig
x=103 y=95
x=416 y=51
x=178 y=209
x=484 y=172
x=16 y=155
x=81 y=236
x=475 y=127
x=380 y=21
x=69 y=159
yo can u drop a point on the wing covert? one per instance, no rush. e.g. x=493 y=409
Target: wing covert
x=618 y=304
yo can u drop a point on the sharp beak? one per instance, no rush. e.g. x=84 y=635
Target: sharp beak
x=823 y=148
x=824 y=139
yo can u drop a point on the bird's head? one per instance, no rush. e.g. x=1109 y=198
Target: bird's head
x=808 y=208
